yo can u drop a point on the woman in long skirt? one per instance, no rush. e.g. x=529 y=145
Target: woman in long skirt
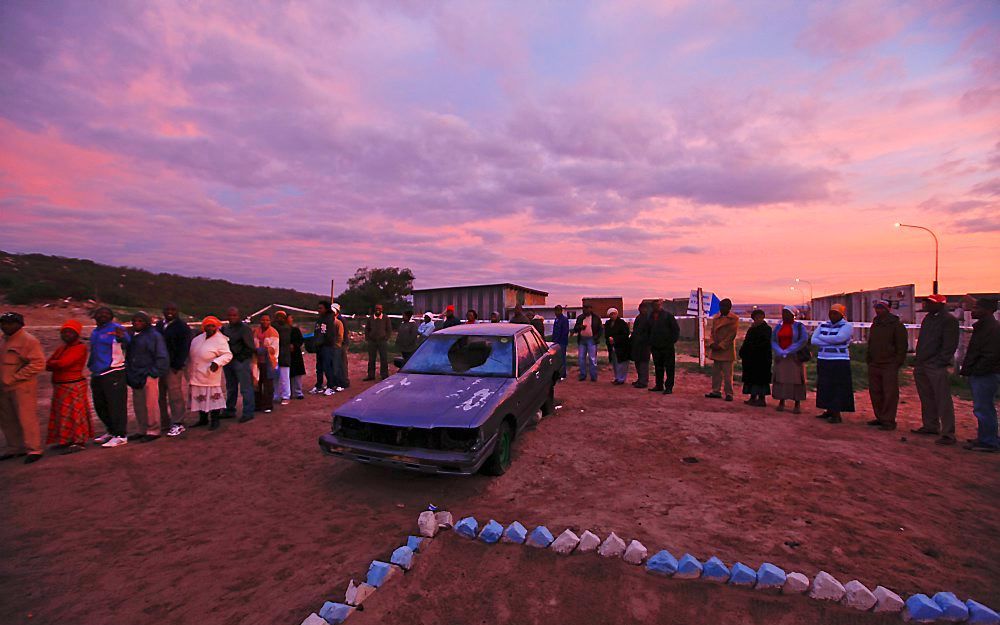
x=834 y=386
x=755 y=357
x=789 y=342
x=69 y=417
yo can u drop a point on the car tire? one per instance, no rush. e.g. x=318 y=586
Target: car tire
x=499 y=460
x=549 y=405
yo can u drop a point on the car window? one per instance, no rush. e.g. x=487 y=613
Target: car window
x=537 y=345
x=524 y=356
x=489 y=356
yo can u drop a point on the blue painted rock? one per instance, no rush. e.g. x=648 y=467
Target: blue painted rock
x=770 y=576
x=980 y=614
x=415 y=543
x=742 y=575
x=921 y=609
x=688 y=567
x=402 y=557
x=491 y=533
x=467 y=527
x=715 y=570
x=954 y=611
x=515 y=533
x=662 y=563
x=335 y=613
x=540 y=537
x=378 y=573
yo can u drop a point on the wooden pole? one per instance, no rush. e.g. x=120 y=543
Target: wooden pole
x=701 y=328
x=333 y=292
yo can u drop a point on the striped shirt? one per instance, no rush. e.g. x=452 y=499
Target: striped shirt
x=833 y=340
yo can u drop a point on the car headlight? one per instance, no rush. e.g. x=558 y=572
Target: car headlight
x=335 y=426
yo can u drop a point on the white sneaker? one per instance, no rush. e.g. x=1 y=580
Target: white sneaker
x=316 y=390
x=329 y=392
x=176 y=430
x=339 y=389
x=103 y=438
x=116 y=441
x=285 y=402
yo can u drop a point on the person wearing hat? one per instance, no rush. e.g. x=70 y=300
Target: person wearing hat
x=619 y=350
x=982 y=366
x=324 y=338
x=663 y=335
x=936 y=346
x=177 y=336
x=538 y=322
x=378 y=331
x=239 y=371
x=22 y=361
x=265 y=340
x=722 y=350
x=449 y=318
x=834 y=385
x=887 y=345
x=587 y=329
x=283 y=390
x=407 y=336
x=560 y=335
x=69 y=415
x=108 y=388
x=208 y=355
x=494 y=317
x=146 y=363
x=427 y=327
x=790 y=346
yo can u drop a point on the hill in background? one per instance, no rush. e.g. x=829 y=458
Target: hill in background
x=31 y=278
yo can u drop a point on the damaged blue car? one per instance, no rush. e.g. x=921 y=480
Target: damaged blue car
x=456 y=406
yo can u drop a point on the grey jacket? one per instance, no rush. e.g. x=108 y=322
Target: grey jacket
x=406 y=336
x=938 y=340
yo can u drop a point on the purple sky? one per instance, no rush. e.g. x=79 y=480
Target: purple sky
x=626 y=147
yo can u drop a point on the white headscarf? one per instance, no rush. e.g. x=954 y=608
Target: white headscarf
x=612 y=310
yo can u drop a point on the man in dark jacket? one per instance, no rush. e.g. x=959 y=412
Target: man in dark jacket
x=619 y=350
x=519 y=316
x=324 y=338
x=146 y=362
x=588 y=330
x=887 y=346
x=283 y=389
x=640 y=346
x=450 y=319
x=982 y=366
x=407 y=335
x=177 y=336
x=663 y=334
x=936 y=345
x=378 y=330
x=560 y=335
x=239 y=371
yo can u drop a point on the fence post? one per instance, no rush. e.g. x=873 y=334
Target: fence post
x=701 y=328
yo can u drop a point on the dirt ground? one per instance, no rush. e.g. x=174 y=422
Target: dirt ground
x=251 y=524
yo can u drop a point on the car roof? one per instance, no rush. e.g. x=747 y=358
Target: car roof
x=484 y=329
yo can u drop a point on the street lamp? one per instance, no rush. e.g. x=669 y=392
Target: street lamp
x=802 y=296
x=899 y=225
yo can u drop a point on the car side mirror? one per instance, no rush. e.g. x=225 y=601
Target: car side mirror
x=398 y=361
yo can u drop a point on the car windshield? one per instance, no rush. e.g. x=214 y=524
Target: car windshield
x=488 y=356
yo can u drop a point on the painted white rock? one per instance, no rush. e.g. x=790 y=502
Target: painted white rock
x=795 y=584
x=612 y=547
x=565 y=543
x=635 y=553
x=857 y=596
x=887 y=601
x=314 y=619
x=356 y=595
x=588 y=542
x=427 y=524
x=444 y=520
x=825 y=587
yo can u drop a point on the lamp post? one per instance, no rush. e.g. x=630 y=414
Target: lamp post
x=802 y=296
x=899 y=225
x=798 y=280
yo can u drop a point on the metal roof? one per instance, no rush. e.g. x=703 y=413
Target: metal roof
x=479 y=286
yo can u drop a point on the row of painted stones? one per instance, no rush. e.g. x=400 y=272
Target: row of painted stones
x=920 y=608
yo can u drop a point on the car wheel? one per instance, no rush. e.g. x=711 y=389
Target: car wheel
x=549 y=406
x=499 y=460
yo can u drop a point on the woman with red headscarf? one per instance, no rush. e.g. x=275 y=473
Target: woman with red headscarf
x=209 y=353
x=69 y=417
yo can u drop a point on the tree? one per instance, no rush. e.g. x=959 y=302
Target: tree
x=388 y=286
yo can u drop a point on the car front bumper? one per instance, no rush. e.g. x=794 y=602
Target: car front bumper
x=408 y=458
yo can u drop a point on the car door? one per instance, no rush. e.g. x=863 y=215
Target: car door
x=528 y=378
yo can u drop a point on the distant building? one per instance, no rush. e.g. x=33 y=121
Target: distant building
x=771 y=311
x=548 y=311
x=860 y=304
x=600 y=305
x=483 y=298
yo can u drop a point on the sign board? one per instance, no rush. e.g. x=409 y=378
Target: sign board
x=709 y=303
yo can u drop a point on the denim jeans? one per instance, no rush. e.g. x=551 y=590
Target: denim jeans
x=563 y=369
x=587 y=356
x=325 y=366
x=619 y=367
x=984 y=390
x=283 y=388
x=239 y=381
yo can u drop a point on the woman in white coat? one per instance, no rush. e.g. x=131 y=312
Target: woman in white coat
x=209 y=353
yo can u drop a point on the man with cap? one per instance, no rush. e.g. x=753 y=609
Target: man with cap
x=982 y=366
x=146 y=363
x=834 y=384
x=449 y=318
x=107 y=377
x=936 y=345
x=427 y=327
x=887 y=345
x=177 y=335
x=22 y=361
x=378 y=331
x=560 y=335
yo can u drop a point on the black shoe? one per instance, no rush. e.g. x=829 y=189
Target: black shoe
x=9 y=456
x=72 y=449
x=888 y=427
x=729 y=398
x=638 y=385
x=713 y=395
x=925 y=431
x=656 y=389
x=245 y=418
x=874 y=423
x=32 y=458
x=834 y=419
x=668 y=391
x=984 y=448
x=825 y=415
x=214 y=425
x=134 y=437
x=149 y=438
x=944 y=440
x=202 y=422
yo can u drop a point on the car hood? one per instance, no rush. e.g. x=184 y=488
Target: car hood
x=427 y=401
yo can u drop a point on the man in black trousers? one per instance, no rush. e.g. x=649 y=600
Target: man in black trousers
x=663 y=334
x=640 y=346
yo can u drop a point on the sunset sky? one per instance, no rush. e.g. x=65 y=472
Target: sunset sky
x=627 y=147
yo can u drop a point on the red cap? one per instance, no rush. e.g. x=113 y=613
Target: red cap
x=938 y=299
